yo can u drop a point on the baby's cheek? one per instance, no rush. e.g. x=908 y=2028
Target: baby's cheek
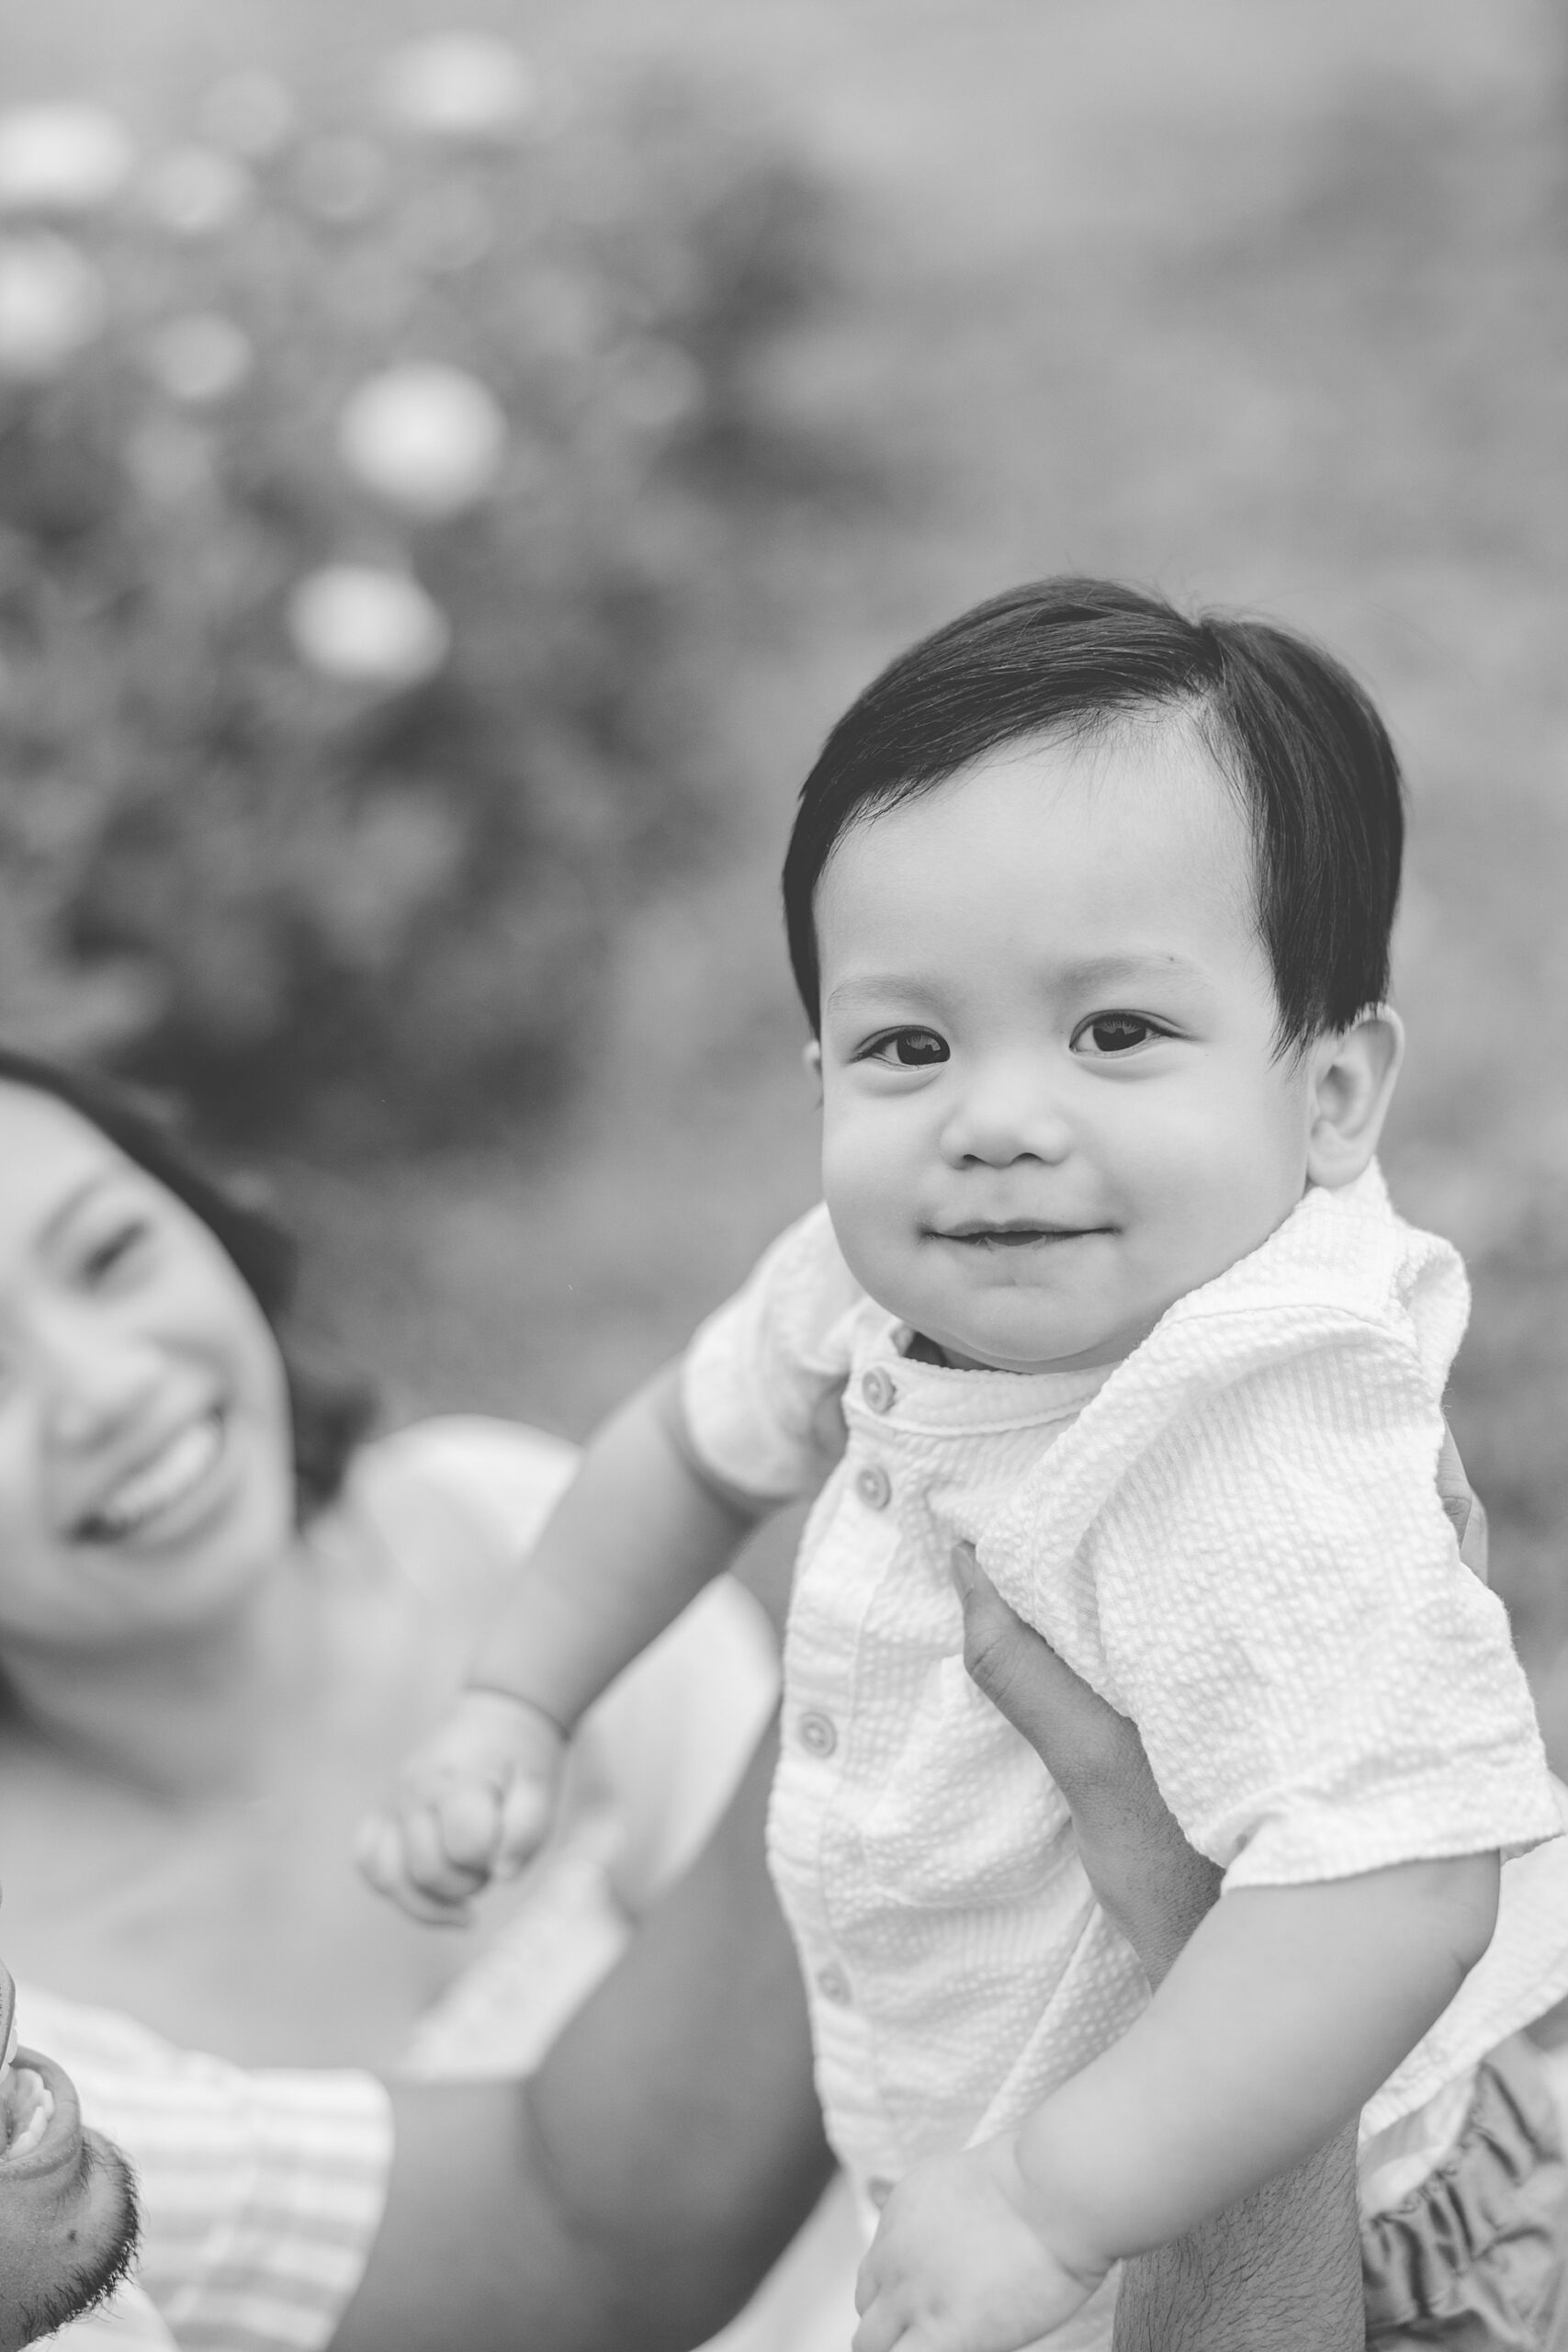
x=878 y=1250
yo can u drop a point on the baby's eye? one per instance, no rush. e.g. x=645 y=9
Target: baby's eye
x=1114 y=1032
x=908 y=1048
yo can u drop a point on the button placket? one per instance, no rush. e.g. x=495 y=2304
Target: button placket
x=873 y=1486
x=817 y=1732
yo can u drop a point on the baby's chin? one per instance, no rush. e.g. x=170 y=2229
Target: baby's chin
x=1027 y=1354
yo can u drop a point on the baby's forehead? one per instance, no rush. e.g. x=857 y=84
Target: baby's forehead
x=1147 y=779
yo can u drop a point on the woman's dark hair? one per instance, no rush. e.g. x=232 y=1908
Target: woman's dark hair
x=1295 y=734
x=331 y=1410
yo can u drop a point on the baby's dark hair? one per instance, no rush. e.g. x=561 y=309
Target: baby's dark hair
x=1298 y=740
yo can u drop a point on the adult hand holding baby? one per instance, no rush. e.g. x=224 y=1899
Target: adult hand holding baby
x=959 y=2262
x=1291 y=2248
x=1148 y=1880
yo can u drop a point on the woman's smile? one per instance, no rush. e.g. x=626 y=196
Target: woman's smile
x=166 y=1492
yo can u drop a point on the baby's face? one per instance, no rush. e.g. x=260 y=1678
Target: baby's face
x=1051 y=1100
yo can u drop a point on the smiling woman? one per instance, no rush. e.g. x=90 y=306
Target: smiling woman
x=222 y=1612
x=137 y=1483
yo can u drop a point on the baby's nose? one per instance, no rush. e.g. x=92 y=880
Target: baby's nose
x=1007 y=1117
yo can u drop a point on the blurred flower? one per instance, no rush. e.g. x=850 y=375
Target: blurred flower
x=195 y=191
x=449 y=226
x=459 y=85
x=200 y=357
x=52 y=305
x=61 y=159
x=252 y=113
x=342 y=178
x=428 y=438
x=368 y=626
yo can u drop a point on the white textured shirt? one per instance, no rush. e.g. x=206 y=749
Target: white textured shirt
x=1235 y=1537
x=262 y=2190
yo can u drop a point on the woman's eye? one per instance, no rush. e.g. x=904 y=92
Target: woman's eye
x=1115 y=1033
x=107 y=1256
x=909 y=1048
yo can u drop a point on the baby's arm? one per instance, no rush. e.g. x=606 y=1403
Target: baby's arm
x=636 y=1536
x=1288 y=2007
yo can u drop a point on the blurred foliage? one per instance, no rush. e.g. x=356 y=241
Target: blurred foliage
x=362 y=484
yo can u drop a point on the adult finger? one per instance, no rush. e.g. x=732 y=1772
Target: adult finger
x=881 y=2328
x=1070 y=1727
x=1463 y=1505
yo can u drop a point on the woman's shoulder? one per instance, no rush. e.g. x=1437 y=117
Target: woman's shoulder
x=457 y=1499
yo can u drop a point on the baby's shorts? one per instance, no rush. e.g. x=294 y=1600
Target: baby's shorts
x=1475 y=2257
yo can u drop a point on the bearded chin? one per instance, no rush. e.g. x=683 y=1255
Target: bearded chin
x=104 y=2179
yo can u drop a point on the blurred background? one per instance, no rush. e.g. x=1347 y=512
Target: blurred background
x=454 y=468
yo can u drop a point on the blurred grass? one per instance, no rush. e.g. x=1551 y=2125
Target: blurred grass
x=1264 y=304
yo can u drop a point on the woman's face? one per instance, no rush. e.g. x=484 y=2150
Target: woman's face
x=145 y=1465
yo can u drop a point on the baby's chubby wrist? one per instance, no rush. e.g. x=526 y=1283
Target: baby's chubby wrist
x=482 y=1693
x=1045 y=2179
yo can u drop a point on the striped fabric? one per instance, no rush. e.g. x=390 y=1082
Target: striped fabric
x=262 y=2191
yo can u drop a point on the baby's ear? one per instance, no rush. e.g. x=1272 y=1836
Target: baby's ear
x=811 y=1056
x=1353 y=1074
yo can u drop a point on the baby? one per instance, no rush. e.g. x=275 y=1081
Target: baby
x=1089 y=906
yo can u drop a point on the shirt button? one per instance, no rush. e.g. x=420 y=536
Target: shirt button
x=879 y=2191
x=874 y=1487
x=819 y=1735
x=877 y=1389
x=833 y=1985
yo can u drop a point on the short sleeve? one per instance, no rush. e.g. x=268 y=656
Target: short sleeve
x=762 y=1380
x=1322 y=1686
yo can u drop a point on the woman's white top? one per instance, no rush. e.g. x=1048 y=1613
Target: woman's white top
x=653 y=1768
x=263 y=2188
x=1235 y=1537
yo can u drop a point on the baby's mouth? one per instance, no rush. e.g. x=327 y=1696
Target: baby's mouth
x=1018 y=1237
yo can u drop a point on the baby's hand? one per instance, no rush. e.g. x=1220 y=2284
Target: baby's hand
x=474 y=1803
x=957 y=2265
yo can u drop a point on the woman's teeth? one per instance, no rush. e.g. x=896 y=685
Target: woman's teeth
x=163 y=1481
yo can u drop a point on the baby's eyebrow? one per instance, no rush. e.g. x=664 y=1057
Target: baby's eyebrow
x=1110 y=971
x=876 y=988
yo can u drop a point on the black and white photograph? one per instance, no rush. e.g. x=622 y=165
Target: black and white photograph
x=783 y=1175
